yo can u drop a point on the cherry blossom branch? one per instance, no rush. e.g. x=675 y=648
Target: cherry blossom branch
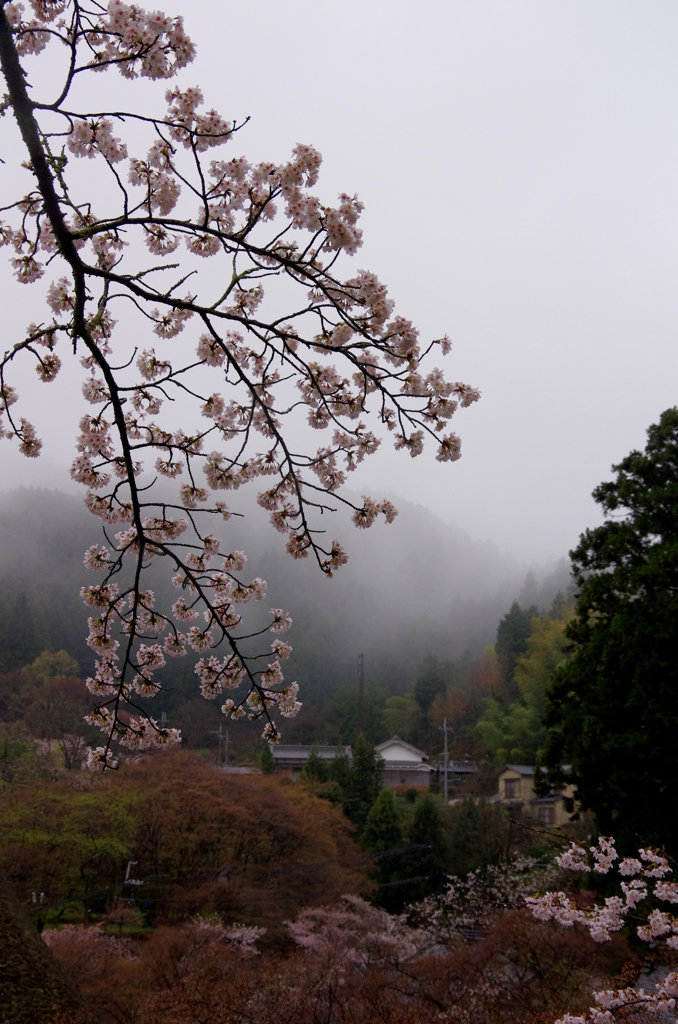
x=337 y=354
x=644 y=889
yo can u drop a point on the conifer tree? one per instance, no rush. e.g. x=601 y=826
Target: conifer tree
x=267 y=761
x=428 y=864
x=612 y=711
x=315 y=768
x=512 y=635
x=383 y=831
x=364 y=782
x=383 y=837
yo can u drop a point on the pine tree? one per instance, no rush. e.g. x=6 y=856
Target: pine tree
x=267 y=761
x=340 y=771
x=612 y=710
x=429 y=863
x=382 y=830
x=512 y=635
x=364 y=782
x=315 y=768
x=383 y=837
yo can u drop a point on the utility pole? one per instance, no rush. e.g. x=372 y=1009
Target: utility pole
x=220 y=736
x=446 y=730
x=361 y=690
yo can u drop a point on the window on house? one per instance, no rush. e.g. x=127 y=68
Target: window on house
x=547 y=814
x=511 y=789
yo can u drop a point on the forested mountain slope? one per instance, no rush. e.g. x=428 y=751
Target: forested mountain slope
x=413 y=588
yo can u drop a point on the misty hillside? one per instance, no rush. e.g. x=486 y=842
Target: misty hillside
x=413 y=588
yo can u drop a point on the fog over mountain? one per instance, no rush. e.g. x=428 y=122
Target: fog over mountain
x=413 y=588
x=518 y=168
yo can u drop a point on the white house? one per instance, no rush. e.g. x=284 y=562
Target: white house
x=404 y=765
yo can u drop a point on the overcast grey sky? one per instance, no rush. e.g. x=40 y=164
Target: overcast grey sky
x=518 y=162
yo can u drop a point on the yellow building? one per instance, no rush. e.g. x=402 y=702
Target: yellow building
x=516 y=789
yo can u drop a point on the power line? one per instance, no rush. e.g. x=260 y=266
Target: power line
x=213 y=876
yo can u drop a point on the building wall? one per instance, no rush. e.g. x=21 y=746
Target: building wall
x=406 y=777
x=399 y=752
x=552 y=812
x=520 y=787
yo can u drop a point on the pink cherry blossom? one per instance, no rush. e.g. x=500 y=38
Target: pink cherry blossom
x=91 y=137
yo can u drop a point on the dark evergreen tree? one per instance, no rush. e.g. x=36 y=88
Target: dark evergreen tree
x=315 y=768
x=512 y=635
x=479 y=834
x=431 y=681
x=612 y=710
x=383 y=837
x=383 y=830
x=364 y=782
x=340 y=771
x=426 y=866
x=267 y=761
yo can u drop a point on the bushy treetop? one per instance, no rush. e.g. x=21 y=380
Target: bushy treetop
x=612 y=710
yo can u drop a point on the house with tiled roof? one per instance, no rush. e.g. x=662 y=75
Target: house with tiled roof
x=516 y=790
x=404 y=764
x=290 y=759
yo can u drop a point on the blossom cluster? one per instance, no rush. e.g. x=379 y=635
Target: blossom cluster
x=132 y=614
x=601 y=921
x=646 y=874
x=469 y=904
x=244 y=937
x=357 y=932
x=630 y=1002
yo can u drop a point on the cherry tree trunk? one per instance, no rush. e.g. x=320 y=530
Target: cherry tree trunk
x=34 y=988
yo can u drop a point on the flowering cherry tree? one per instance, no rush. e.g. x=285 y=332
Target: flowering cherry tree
x=642 y=887
x=357 y=932
x=470 y=905
x=231 y=274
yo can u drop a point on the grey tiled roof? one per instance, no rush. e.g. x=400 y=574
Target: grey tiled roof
x=459 y=767
x=288 y=752
x=528 y=769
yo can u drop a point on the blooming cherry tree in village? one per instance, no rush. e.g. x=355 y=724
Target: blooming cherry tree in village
x=182 y=276
x=643 y=886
